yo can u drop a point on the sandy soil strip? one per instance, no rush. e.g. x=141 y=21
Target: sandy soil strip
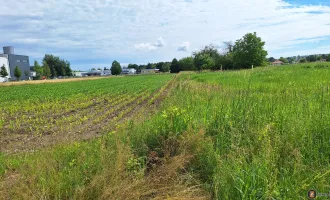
x=54 y=80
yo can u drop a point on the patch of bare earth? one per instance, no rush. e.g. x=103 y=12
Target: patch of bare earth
x=53 y=81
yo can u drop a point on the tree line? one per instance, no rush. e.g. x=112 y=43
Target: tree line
x=242 y=54
x=162 y=66
x=52 y=66
x=302 y=59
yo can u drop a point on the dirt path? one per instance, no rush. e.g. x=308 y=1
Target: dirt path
x=55 y=80
x=17 y=143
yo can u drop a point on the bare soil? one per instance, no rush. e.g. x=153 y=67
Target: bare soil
x=53 y=80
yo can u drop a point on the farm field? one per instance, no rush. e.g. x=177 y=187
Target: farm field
x=33 y=116
x=249 y=134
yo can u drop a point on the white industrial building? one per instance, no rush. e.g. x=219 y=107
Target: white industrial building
x=11 y=60
x=4 y=62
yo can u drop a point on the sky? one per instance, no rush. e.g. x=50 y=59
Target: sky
x=93 y=33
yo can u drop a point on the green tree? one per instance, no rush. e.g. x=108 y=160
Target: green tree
x=311 y=58
x=58 y=67
x=285 y=60
x=46 y=70
x=291 y=59
x=133 y=66
x=166 y=67
x=249 y=51
x=303 y=60
x=204 y=61
x=150 y=66
x=225 y=61
x=175 y=66
x=328 y=58
x=3 y=71
x=271 y=59
x=38 y=69
x=187 y=64
x=324 y=56
x=163 y=66
x=207 y=58
x=116 y=68
x=17 y=73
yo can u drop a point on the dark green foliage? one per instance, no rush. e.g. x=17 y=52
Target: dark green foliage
x=311 y=58
x=46 y=70
x=303 y=60
x=271 y=59
x=187 y=64
x=226 y=61
x=150 y=66
x=175 y=66
x=207 y=58
x=116 y=68
x=58 y=67
x=134 y=66
x=163 y=66
x=284 y=60
x=38 y=69
x=3 y=71
x=17 y=73
x=328 y=58
x=249 y=51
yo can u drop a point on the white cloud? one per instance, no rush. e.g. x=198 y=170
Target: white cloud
x=158 y=44
x=108 y=29
x=184 y=46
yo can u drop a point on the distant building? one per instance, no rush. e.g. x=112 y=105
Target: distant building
x=149 y=71
x=277 y=62
x=79 y=73
x=11 y=60
x=97 y=72
x=128 y=71
x=4 y=62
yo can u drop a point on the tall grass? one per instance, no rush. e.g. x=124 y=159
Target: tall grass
x=250 y=134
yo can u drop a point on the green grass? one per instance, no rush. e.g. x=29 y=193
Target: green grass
x=253 y=134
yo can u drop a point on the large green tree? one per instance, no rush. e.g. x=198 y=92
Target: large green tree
x=150 y=66
x=46 y=71
x=187 y=64
x=115 y=68
x=3 y=71
x=271 y=59
x=38 y=69
x=207 y=58
x=284 y=60
x=249 y=51
x=311 y=58
x=163 y=66
x=58 y=67
x=133 y=66
x=328 y=58
x=175 y=66
x=17 y=73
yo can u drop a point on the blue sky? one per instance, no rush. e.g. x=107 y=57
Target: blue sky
x=93 y=33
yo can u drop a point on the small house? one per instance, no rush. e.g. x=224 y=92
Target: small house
x=277 y=62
